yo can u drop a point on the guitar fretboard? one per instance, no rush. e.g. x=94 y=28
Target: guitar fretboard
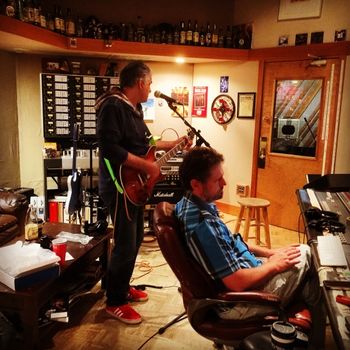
x=172 y=153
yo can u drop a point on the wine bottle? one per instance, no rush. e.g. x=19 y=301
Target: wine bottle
x=10 y=8
x=176 y=36
x=202 y=37
x=20 y=10
x=43 y=19
x=195 y=34
x=189 y=34
x=57 y=19
x=70 y=24
x=228 y=37
x=208 y=37
x=36 y=13
x=182 y=33
x=214 y=36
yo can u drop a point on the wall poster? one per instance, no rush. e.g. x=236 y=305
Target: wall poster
x=199 y=102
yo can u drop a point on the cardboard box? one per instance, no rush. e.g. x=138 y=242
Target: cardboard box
x=30 y=278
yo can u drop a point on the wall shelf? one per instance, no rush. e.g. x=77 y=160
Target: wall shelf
x=20 y=37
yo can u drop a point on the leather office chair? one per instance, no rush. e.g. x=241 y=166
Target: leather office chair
x=201 y=294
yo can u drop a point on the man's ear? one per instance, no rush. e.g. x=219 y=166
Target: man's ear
x=196 y=186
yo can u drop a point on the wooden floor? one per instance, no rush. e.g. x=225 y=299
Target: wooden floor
x=91 y=328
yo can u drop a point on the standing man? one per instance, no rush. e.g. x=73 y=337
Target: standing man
x=123 y=139
x=286 y=272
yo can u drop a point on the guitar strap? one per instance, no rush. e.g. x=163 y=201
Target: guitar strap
x=111 y=173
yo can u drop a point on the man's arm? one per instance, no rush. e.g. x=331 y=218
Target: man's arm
x=252 y=278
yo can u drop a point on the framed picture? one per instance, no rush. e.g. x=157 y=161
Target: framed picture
x=297 y=9
x=246 y=105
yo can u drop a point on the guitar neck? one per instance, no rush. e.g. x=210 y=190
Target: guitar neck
x=172 y=153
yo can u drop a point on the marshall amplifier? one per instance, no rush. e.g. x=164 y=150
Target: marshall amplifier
x=166 y=193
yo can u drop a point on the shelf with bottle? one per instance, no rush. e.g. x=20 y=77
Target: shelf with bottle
x=13 y=32
x=14 y=35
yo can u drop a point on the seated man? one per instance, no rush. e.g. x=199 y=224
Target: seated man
x=286 y=272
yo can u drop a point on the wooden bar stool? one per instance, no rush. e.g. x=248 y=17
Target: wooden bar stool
x=253 y=206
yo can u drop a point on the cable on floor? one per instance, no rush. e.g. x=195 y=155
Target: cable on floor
x=144 y=266
x=160 y=331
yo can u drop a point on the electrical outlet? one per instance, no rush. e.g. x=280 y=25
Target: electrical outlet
x=242 y=190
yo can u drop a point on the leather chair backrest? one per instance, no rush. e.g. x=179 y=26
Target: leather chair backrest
x=195 y=282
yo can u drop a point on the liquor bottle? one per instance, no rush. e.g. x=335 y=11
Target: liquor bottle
x=57 y=19
x=29 y=12
x=130 y=32
x=176 y=36
x=195 y=34
x=202 y=37
x=208 y=37
x=33 y=226
x=43 y=19
x=170 y=36
x=10 y=8
x=140 y=31
x=214 y=36
x=228 y=37
x=70 y=24
x=19 y=5
x=189 y=34
x=36 y=13
x=80 y=28
x=62 y=21
x=50 y=22
x=182 y=33
x=221 y=41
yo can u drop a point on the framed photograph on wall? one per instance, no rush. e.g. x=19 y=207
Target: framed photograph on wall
x=298 y=9
x=246 y=105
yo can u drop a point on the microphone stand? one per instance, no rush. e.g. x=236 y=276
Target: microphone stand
x=200 y=140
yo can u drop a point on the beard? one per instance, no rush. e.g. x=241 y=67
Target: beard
x=214 y=197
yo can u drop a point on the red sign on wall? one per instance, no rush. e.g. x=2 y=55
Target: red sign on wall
x=199 y=102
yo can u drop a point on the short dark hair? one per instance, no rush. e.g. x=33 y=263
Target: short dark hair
x=197 y=164
x=132 y=72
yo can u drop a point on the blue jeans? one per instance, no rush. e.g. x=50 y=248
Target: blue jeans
x=128 y=236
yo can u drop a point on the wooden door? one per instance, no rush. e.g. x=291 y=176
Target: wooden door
x=296 y=136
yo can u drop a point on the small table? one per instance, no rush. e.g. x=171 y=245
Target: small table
x=27 y=302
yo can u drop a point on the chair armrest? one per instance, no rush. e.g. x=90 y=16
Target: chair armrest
x=249 y=296
x=14 y=204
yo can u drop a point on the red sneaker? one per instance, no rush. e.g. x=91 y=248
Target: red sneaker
x=137 y=295
x=124 y=313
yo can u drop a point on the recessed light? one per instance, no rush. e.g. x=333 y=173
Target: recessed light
x=180 y=60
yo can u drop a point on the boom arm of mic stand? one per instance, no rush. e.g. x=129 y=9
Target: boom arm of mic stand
x=200 y=139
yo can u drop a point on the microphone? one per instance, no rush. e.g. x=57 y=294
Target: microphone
x=166 y=98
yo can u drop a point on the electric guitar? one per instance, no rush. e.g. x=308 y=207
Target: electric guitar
x=137 y=187
x=73 y=202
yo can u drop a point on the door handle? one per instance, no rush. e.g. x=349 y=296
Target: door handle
x=262 y=152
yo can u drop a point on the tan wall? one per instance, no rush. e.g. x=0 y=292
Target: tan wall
x=31 y=139
x=9 y=157
x=267 y=29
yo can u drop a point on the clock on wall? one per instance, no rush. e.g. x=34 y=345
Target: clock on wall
x=223 y=109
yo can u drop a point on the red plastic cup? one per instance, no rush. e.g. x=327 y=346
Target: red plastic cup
x=59 y=246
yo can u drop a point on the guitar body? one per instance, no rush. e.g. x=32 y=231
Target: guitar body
x=135 y=184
